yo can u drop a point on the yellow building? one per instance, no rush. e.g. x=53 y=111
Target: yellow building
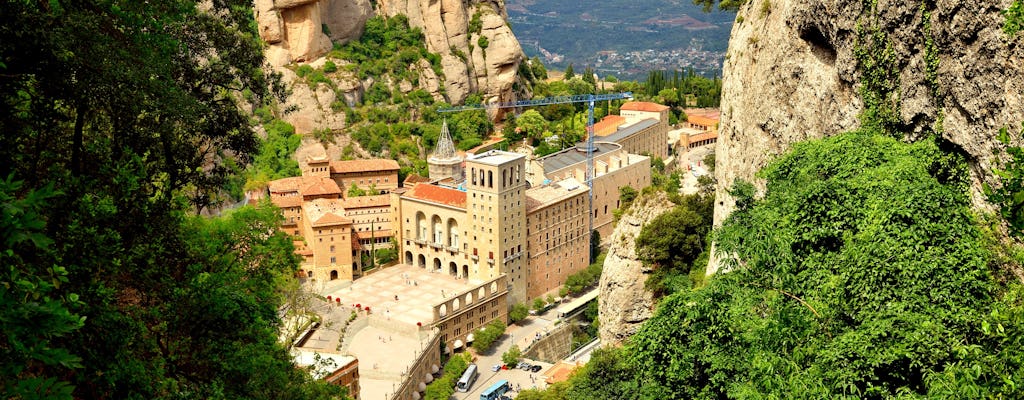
x=332 y=232
x=613 y=168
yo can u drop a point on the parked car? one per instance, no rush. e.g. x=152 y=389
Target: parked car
x=523 y=365
x=535 y=368
x=496 y=367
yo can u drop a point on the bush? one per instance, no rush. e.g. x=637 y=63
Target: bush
x=538 y=304
x=518 y=313
x=512 y=356
x=330 y=67
x=486 y=336
x=303 y=70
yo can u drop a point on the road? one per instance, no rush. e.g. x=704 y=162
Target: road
x=521 y=334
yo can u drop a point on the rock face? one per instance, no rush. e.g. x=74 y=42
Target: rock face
x=468 y=67
x=791 y=74
x=297 y=32
x=623 y=303
x=294 y=29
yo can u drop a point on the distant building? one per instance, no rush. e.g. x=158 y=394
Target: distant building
x=700 y=129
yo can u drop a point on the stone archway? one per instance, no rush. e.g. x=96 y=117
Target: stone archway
x=437 y=265
x=408 y=258
x=334 y=274
x=453 y=269
x=421 y=261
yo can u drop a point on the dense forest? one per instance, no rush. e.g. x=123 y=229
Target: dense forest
x=119 y=121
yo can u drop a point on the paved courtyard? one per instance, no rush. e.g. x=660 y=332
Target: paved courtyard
x=403 y=293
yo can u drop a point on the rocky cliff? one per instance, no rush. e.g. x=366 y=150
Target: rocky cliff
x=792 y=73
x=623 y=303
x=479 y=53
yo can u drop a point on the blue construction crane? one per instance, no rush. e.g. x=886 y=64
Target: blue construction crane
x=581 y=98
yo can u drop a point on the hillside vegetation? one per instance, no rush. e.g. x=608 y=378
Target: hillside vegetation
x=119 y=120
x=861 y=272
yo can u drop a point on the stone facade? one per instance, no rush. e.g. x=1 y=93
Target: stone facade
x=557 y=239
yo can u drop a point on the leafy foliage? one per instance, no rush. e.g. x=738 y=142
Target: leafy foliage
x=518 y=312
x=1014 y=18
x=33 y=312
x=129 y=112
x=860 y=273
x=1010 y=193
x=511 y=356
x=485 y=337
x=673 y=242
x=587 y=278
x=444 y=387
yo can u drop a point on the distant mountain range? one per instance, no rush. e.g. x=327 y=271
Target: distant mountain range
x=625 y=38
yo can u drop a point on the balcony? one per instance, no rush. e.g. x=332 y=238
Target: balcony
x=490 y=261
x=475 y=257
x=436 y=245
x=420 y=241
x=453 y=249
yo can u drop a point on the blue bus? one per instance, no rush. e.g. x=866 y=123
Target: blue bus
x=495 y=391
x=467 y=379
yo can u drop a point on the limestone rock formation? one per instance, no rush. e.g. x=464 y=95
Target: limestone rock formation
x=791 y=74
x=295 y=31
x=467 y=67
x=623 y=303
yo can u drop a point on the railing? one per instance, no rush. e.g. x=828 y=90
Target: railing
x=475 y=257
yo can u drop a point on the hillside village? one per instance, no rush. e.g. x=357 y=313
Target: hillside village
x=497 y=227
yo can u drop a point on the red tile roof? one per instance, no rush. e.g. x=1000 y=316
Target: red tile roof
x=413 y=179
x=702 y=120
x=286 y=201
x=374 y=165
x=319 y=186
x=285 y=184
x=379 y=233
x=382 y=200
x=643 y=106
x=438 y=194
x=331 y=219
x=608 y=125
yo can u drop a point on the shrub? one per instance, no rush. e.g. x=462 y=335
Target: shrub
x=518 y=313
x=330 y=67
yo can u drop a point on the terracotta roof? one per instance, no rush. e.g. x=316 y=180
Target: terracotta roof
x=382 y=200
x=438 y=194
x=413 y=179
x=608 y=125
x=702 y=120
x=318 y=186
x=374 y=165
x=703 y=136
x=643 y=106
x=324 y=212
x=286 y=201
x=285 y=184
x=379 y=233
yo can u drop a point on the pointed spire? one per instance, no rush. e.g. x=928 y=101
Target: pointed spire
x=445 y=149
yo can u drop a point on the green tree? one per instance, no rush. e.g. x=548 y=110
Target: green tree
x=355 y=191
x=538 y=68
x=569 y=73
x=129 y=111
x=486 y=336
x=511 y=356
x=518 y=313
x=34 y=314
x=672 y=242
x=531 y=124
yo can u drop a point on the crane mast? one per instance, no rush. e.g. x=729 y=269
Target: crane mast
x=590 y=99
